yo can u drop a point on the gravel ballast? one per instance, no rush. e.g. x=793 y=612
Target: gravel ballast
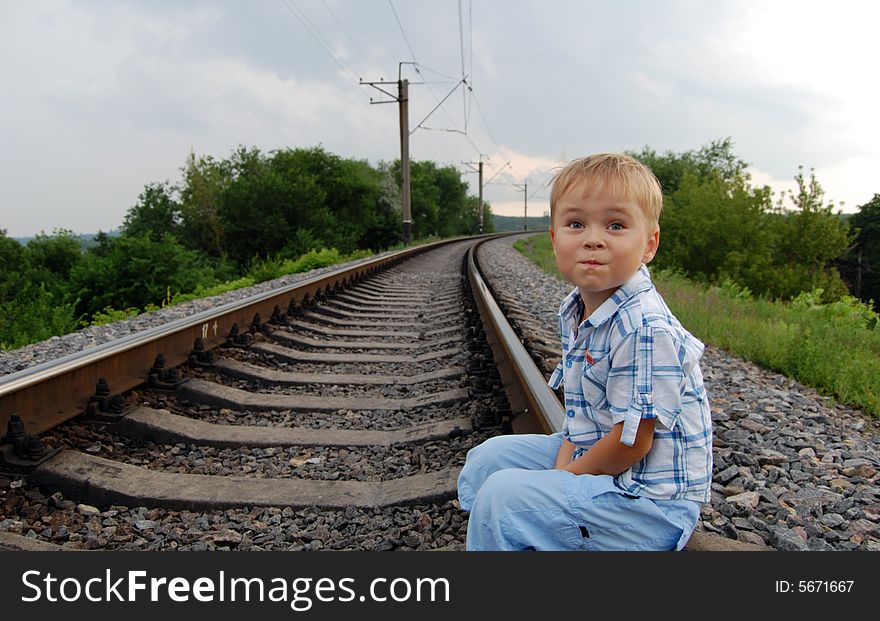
x=792 y=470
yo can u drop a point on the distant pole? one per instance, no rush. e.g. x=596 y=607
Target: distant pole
x=481 y=196
x=525 y=190
x=479 y=170
x=403 y=100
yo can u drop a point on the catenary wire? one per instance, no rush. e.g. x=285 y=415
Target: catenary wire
x=316 y=35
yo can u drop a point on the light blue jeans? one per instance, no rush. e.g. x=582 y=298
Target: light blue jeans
x=518 y=501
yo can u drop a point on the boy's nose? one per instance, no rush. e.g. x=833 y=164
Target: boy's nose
x=593 y=241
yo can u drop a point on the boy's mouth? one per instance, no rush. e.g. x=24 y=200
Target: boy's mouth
x=591 y=262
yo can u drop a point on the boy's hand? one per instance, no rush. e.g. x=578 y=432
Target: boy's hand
x=609 y=456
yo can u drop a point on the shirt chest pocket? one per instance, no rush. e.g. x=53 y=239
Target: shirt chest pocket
x=594 y=380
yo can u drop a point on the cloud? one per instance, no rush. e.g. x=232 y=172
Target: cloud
x=101 y=98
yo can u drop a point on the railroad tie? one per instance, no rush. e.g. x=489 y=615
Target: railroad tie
x=210 y=393
x=166 y=428
x=105 y=482
x=253 y=373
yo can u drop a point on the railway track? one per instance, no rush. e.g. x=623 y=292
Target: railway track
x=330 y=414
x=340 y=422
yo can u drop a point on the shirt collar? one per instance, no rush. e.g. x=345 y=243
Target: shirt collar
x=572 y=306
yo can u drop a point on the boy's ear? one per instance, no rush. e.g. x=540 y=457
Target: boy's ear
x=553 y=238
x=651 y=247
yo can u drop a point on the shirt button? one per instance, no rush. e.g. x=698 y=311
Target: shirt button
x=568 y=363
x=570 y=413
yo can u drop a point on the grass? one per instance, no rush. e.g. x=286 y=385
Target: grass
x=834 y=348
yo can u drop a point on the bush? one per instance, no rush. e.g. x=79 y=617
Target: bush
x=132 y=272
x=206 y=292
x=34 y=314
x=109 y=315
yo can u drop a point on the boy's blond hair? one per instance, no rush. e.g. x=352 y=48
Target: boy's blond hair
x=621 y=175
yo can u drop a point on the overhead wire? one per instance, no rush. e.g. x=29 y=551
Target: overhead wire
x=440 y=73
x=467 y=91
x=347 y=34
x=417 y=66
x=399 y=25
x=319 y=38
x=485 y=122
x=466 y=56
x=541 y=186
x=463 y=74
x=439 y=103
x=471 y=36
x=324 y=43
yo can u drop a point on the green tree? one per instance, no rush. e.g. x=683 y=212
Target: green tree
x=31 y=310
x=265 y=204
x=351 y=190
x=49 y=259
x=201 y=192
x=12 y=260
x=865 y=256
x=156 y=213
x=807 y=239
x=715 y=159
x=439 y=199
x=386 y=229
x=713 y=228
x=134 y=272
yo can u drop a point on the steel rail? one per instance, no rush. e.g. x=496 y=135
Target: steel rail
x=48 y=394
x=534 y=405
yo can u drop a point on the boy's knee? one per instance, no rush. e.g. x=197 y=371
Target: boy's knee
x=500 y=488
x=490 y=445
x=486 y=452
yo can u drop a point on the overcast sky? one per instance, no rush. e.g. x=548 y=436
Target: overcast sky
x=100 y=98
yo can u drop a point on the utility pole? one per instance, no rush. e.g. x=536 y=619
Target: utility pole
x=525 y=190
x=479 y=170
x=402 y=99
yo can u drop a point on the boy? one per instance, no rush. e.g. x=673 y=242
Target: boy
x=634 y=459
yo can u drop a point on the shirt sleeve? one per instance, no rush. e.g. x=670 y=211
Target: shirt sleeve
x=645 y=381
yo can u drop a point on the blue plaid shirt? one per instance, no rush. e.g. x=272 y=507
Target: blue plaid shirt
x=632 y=359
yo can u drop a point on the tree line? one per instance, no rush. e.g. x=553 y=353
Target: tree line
x=242 y=217
x=717 y=226
x=248 y=217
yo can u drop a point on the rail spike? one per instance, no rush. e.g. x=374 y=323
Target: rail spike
x=200 y=357
x=237 y=337
x=278 y=318
x=105 y=406
x=258 y=326
x=20 y=452
x=295 y=309
x=161 y=377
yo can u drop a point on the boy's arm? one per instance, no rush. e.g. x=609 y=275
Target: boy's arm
x=563 y=456
x=608 y=455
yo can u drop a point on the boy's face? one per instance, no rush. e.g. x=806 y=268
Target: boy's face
x=600 y=241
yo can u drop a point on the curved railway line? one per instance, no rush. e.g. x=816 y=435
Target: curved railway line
x=349 y=394
x=309 y=417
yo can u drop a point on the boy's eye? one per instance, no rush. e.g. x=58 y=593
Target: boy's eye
x=616 y=226
x=575 y=225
